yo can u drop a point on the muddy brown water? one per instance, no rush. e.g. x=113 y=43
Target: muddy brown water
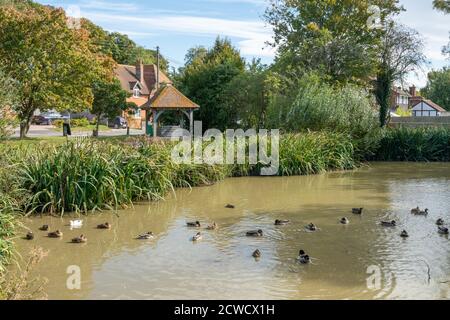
x=362 y=260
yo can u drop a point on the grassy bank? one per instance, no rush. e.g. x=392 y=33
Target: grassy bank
x=406 y=144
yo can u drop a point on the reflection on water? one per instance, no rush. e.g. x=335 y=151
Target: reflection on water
x=116 y=266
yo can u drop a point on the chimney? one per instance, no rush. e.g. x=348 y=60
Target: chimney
x=412 y=91
x=140 y=71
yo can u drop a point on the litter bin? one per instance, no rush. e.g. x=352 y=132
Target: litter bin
x=66 y=130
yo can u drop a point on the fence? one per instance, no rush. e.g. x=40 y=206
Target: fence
x=420 y=122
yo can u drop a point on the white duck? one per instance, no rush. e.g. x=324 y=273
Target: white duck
x=76 y=224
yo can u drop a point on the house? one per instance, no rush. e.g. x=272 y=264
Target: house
x=427 y=108
x=400 y=98
x=140 y=81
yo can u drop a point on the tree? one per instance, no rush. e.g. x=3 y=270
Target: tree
x=109 y=100
x=7 y=102
x=442 y=5
x=334 y=38
x=204 y=79
x=438 y=87
x=53 y=66
x=400 y=52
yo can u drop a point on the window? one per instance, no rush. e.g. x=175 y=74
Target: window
x=137 y=113
x=136 y=92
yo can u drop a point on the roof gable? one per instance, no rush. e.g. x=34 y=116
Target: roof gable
x=168 y=97
x=430 y=104
x=128 y=79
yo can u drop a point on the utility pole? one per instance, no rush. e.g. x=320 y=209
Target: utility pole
x=157 y=68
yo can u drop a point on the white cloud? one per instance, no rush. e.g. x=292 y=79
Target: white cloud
x=108 y=6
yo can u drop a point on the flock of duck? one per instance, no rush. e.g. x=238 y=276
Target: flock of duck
x=303 y=257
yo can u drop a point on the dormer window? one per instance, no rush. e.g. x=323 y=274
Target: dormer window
x=136 y=92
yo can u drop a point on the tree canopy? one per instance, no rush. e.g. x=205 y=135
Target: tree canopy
x=438 y=87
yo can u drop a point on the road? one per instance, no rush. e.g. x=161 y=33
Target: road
x=48 y=131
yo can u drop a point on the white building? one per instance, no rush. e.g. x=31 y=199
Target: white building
x=427 y=108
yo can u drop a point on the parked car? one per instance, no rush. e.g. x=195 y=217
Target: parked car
x=46 y=118
x=118 y=123
x=41 y=120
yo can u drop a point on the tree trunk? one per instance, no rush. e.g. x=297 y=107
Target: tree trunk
x=383 y=92
x=95 y=133
x=25 y=124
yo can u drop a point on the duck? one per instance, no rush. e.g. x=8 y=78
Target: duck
x=404 y=234
x=55 y=234
x=105 y=225
x=415 y=210
x=76 y=223
x=45 y=227
x=388 y=223
x=281 y=222
x=80 y=239
x=311 y=227
x=195 y=224
x=213 y=226
x=303 y=257
x=29 y=236
x=256 y=254
x=255 y=233
x=422 y=213
x=440 y=222
x=230 y=206
x=442 y=230
x=357 y=210
x=197 y=237
x=345 y=220
x=145 y=236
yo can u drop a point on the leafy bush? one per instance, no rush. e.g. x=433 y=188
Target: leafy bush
x=58 y=123
x=82 y=122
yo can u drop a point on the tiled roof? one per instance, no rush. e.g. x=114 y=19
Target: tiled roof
x=431 y=104
x=168 y=97
x=140 y=102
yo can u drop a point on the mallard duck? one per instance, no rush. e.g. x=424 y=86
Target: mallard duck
x=55 y=234
x=80 y=239
x=389 y=223
x=197 y=237
x=145 y=236
x=344 y=220
x=311 y=227
x=415 y=210
x=45 y=227
x=230 y=206
x=422 y=213
x=29 y=236
x=281 y=222
x=357 y=210
x=255 y=233
x=404 y=234
x=440 y=222
x=213 y=226
x=195 y=224
x=105 y=225
x=442 y=230
x=256 y=254
x=76 y=223
x=303 y=257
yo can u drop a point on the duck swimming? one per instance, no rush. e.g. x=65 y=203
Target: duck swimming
x=76 y=223
x=303 y=257
x=195 y=224
x=442 y=230
x=256 y=254
x=415 y=210
x=440 y=222
x=344 y=220
x=45 y=227
x=80 y=239
x=145 y=236
x=213 y=226
x=255 y=233
x=311 y=227
x=105 y=225
x=357 y=210
x=404 y=234
x=230 y=206
x=388 y=223
x=55 y=234
x=422 y=213
x=281 y=222
x=197 y=237
x=29 y=236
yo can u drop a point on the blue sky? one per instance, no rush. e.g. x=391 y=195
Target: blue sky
x=177 y=25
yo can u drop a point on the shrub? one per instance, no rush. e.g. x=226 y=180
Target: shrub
x=82 y=122
x=58 y=123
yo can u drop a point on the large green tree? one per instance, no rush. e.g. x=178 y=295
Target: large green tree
x=7 y=102
x=204 y=79
x=109 y=100
x=438 y=87
x=53 y=65
x=443 y=5
x=335 y=38
x=399 y=53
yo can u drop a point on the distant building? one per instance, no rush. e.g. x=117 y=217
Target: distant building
x=427 y=108
x=400 y=98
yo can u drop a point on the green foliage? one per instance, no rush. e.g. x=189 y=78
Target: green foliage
x=204 y=79
x=438 y=87
x=7 y=102
x=403 y=113
x=405 y=144
x=442 y=5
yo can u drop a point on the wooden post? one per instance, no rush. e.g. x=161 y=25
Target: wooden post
x=155 y=123
x=191 y=122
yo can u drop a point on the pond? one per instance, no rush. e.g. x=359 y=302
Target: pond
x=361 y=260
